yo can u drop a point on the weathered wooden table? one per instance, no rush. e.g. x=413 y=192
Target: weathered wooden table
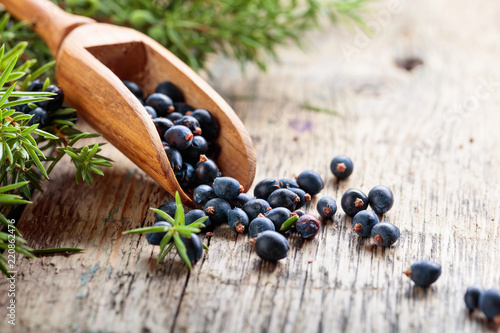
x=430 y=134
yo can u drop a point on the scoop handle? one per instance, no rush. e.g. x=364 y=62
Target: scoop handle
x=48 y=20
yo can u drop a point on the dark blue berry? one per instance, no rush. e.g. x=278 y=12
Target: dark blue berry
x=24 y=108
x=198 y=147
x=471 y=297
x=217 y=209
x=327 y=207
x=56 y=101
x=489 y=303
x=36 y=85
x=209 y=125
x=194 y=248
x=310 y=181
x=185 y=176
x=213 y=150
x=278 y=216
x=307 y=226
x=271 y=246
x=299 y=212
x=178 y=137
x=154 y=238
x=288 y=183
x=424 y=273
x=283 y=198
x=151 y=112
x=341 y=166
x=363 y=223
x=255 y=207
x=174 y=157
x=303 y=196
x=134 y=89
x=203 y=193
x=205 y=171
x=385 y=233
x=194 y=215
x=191 y=123
x=40 y=116
x=169 y=208
x=259 y=225
x=242 y=199
x=171 y=90
x=183 y=108
x=174 y=116
x=380 y=199
x=238 y=220
x=161 y=103
x=227 y=188
x=162 y=125
x=265 y=187
x=354 y=201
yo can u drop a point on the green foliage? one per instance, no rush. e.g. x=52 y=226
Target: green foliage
x=289 y=223
x=173 y=234
x=315 y=108
x=22 y=144
x=87 y=160
x=65 y=250
x=247 y=30
x=17 y=35
x=20 y=158
x=23 y=164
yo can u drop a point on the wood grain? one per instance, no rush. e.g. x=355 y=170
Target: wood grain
x=420 y=132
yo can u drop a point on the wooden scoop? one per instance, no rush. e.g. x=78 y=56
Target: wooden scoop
x=92 y=60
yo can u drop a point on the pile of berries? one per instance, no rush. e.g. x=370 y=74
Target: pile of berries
x=188 y=134
x=276 y=202
x=488 y=301
x=189 y=137
x=41 y=110
x=263 y=216
x=274 y=211
x=365 y=222
x=355 y=203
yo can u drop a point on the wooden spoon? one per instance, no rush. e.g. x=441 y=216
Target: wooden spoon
x=92 y=60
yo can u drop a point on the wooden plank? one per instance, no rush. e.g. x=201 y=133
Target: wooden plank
x=421 y=133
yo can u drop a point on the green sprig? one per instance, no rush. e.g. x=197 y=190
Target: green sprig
x=289 y=223
x=23 y=164
x=87 y=160
x=22 y=145
x=57 y=250
x=174 y=232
